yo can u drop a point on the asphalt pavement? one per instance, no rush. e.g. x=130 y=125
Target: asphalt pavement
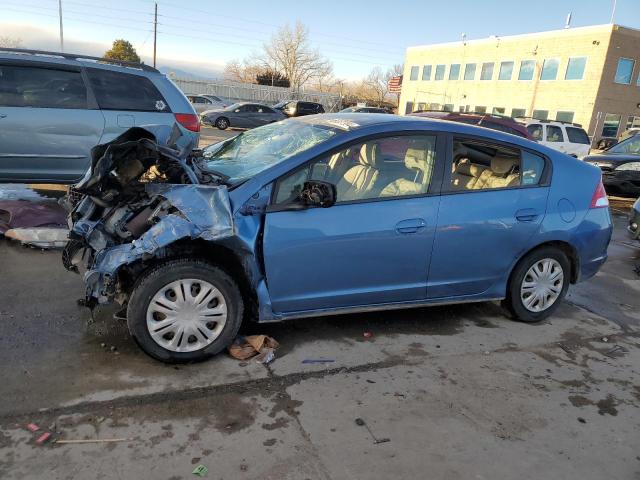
x=455 y=392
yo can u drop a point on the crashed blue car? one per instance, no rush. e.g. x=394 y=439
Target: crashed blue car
x=328 y=214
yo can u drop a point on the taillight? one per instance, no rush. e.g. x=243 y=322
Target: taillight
x=190 y=121
x=599 y=199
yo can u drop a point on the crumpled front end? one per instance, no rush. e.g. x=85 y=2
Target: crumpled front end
x=138 y=199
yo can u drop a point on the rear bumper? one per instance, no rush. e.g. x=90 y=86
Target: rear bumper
x=592 y=239
x=634 y=221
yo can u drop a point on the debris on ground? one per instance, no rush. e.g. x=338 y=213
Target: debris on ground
x=367 y=334
x=200 y=470
x=616 y=349
x=361 y=423
x=605 y=339
x=93 y=440
x=43 y=438
x=318 y=360
x=263 y=346
x=32 y=427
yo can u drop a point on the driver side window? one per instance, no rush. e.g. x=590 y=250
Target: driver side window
x=386 y=167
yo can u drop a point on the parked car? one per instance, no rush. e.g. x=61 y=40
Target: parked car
x=55 y=107
x=241 y=115
x=620 y=165
x=364 y=110
x=299 y=108
x=569 y=138
x=330 y=214
x=492 y=121
x=207 y=102
x=634 y=220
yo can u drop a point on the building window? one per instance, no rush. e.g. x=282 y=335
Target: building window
x=470 y=71
x=575 y=68
x=540 y=114
x=527 y=68
x=426 y=72
x=564 y=117
x=498 y=111
x=421 y=107
x=408 y=107
x=481 y=109
x=440 y=72
x=518 y=112
x=550 y=69
x=454 y=71
x=633 y=122
x=487 y=71
x=461 y=109
x=448 y=107
x=414 y=72
x=611 y=125
x=624 y=72
x=506 y=71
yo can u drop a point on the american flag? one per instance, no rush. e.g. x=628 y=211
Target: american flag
x=395 y=84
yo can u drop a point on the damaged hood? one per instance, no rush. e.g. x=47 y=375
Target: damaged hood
x=139 y=197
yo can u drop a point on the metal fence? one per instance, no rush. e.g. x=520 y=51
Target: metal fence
x=248 y=92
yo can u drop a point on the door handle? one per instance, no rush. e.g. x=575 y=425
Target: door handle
x=411 y=225
x=527 y=215
x=3 y=115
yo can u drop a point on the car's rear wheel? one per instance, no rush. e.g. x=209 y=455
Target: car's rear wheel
x=184 y=311
x=538 y=284
x=222 y=123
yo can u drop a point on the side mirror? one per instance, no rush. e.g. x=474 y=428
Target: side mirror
x=316 y=193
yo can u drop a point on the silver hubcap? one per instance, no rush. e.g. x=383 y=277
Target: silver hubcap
x=222 y=123
x=542 y=285
x=186 y=315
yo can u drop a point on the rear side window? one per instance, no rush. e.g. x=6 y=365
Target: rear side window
x=554 y=134
x=41 y=87
x=577 y=135
x=122 y=91
x=535 y=130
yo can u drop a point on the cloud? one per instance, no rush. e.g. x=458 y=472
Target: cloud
x=38 y=38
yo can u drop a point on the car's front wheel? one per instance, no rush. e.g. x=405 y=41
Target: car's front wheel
x=222 y=123
x=184 y=311
x=538 y=284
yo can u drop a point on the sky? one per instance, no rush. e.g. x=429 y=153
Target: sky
x=200 y=37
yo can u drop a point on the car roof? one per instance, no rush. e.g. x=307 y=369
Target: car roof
x=77 y=60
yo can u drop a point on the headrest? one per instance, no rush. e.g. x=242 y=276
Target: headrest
x=502 y=165
x=368 y=154
x=416 y=159
x=465 y=167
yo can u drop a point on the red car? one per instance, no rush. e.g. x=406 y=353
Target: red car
x=488 y=120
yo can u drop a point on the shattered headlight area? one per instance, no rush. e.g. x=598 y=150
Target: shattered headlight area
x=138 y=198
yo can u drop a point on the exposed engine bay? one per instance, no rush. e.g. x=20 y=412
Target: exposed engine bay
x=143 y=191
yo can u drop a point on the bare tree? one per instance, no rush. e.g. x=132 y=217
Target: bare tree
x=9 y=42
x=377 y=83
x=289 y=52
x=244 y=72
x=324 y=80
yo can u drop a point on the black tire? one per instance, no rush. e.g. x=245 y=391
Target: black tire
x=513 y=301
x=157 y=278
x=223 y=123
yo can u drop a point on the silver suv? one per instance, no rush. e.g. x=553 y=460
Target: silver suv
x=55 y=107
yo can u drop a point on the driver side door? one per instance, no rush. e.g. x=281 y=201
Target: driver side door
x=374 y=245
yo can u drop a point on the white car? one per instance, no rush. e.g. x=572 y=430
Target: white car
x=207 y=102
x=569 y=138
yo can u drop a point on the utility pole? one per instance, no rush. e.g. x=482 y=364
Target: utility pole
x=155 y=33
x=61 y=35
x=613 y=11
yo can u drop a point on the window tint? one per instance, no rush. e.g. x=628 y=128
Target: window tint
x=482 y=166
x=527 y=68
x=554 y=134
x=630 y=145
x=564 y=117
x=577 y=135
x=487 y=71
x=388 y=167
x=266 y=110
x=532 y=168
x=611 y=125
x=469 y=71
x=575 y=68
x=535 y=129
x=41 y=87
x=426 y=72
x=518 y=112
x=550 y=69
x=454 y=71
x=540 y=114
x=440 y=72
x=122 y=91
x=506 y=70
x=414 y=72
x=624 y=71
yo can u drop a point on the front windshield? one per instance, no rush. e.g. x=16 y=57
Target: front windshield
x=251 y=152
x=347 y=110
x=281 y=104
x=629 y=146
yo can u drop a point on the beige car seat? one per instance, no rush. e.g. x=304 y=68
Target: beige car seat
x=358 y=181
x=418 y=159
